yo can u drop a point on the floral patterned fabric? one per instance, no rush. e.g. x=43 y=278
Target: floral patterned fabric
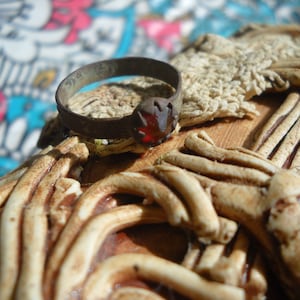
x=43 y=41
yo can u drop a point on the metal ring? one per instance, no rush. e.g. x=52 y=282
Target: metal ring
x=150 y=123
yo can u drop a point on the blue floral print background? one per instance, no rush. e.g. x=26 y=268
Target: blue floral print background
x=43 y=41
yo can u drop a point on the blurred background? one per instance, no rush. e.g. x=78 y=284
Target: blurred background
x=42 y=41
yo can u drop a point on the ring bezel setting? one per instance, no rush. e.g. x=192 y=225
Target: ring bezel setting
x=151 y=122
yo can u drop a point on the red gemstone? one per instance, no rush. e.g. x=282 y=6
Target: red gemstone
x=153 y=121
x=151 y=133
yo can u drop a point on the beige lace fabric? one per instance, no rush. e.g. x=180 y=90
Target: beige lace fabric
x=220 y=75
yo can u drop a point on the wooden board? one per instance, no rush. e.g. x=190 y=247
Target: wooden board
x=229 y=132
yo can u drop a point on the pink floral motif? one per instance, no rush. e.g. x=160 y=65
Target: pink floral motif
x=164 y=33
x=72 y=13
x=3 y=106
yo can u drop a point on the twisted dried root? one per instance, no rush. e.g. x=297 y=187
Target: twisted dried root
x=268 y=207
x=129 y=293
x=203 y=217
x=32 y=188
x=279 y=138
x=186 y=282
x=8 y=182
x=77 y=262
x=228 y=165
x=288 y=70
x=180 y=204
x=126 y=183
x=67 y=191
x=35 y=225
x=237 y=263
x=183 y=202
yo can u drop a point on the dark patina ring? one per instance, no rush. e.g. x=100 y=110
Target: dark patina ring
x=151 y=122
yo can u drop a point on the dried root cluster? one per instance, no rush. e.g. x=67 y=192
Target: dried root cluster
x=280 y=136
x=239 y=209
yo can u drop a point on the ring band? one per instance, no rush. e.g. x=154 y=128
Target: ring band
x=151 y=122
